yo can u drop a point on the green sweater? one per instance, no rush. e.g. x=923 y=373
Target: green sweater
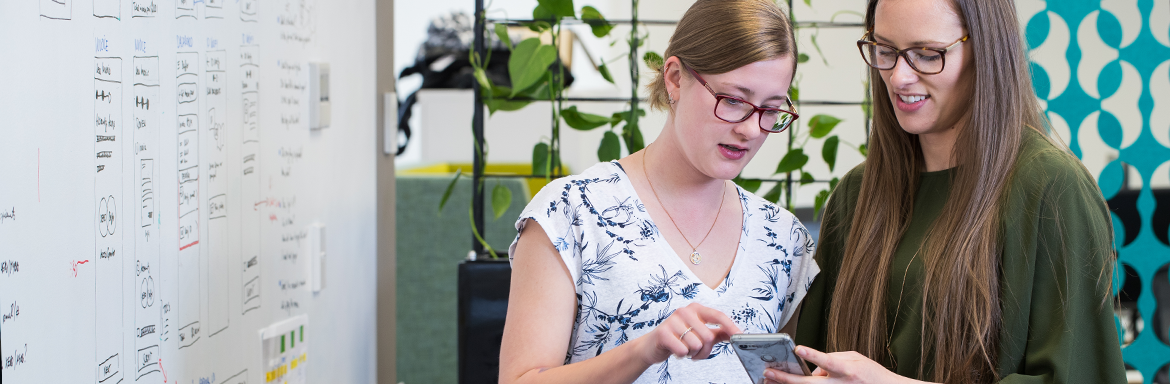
x=1055 y=327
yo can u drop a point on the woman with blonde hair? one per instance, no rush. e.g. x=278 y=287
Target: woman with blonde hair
x=639 y=270
x=969 y=247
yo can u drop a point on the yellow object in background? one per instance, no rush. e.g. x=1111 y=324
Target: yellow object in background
x=534 y=183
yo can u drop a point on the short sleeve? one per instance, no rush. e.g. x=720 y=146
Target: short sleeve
x=553 y=209
x=804 y=270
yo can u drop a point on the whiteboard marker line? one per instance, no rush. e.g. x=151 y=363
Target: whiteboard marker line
x=75 y=264
x=164 y=371
x=38 y=175
x=188 y=245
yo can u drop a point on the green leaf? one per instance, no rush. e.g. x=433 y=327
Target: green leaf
x=496 y=99
x=450 y=187
x=502 y=33
x=833 y=184
x=539 y=26
x=543 y=163
x=750 y=185
x=596 y=21
x=542 y=13
x=582 y=121
x=819 y=202
x=605 y=73
x=802 y=58
x=559 y=8
x=481 y=77
x=793 y=160
x=653 y=60
x=633 y=137
x=538 y=91
x=867 y=109
x=773 y=194
x=821 y=125
x=540 y=159
x=813 y=39
x=616 y=118
x=610 y=148
x=806 y=178
x=529 y=62
x=829 y=151
x=808 y=2
x=864 y=149
x=590 y=13
x=498 y=91
x=794 y=93
x=504 y=105
x=501 y=200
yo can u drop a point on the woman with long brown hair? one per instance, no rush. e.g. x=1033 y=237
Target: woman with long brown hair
x=639 y=270
x=969 y=247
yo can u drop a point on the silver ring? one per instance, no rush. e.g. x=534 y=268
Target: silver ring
x=684 y=334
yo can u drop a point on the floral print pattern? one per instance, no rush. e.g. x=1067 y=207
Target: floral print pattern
x=628 y=279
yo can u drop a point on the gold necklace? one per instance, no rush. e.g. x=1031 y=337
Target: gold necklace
x=696 y=258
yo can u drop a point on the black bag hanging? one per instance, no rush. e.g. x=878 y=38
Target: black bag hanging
x=443 y=62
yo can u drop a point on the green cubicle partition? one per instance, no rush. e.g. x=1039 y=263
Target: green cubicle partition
x=431 y=244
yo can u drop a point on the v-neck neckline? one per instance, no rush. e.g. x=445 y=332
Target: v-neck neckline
x=665 y=247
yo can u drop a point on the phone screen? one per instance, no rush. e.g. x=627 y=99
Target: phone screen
x=767 y=350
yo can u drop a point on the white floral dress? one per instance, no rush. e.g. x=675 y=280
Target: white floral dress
x=628 y=279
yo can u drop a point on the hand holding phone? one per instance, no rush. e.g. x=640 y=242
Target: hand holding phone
x=767 y=350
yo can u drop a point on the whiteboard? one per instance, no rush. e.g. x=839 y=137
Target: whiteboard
x=158 y=183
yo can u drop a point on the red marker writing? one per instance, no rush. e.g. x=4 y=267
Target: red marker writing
x=75 y=264
x=164 y=372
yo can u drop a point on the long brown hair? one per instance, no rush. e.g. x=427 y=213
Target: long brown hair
x=961 y=287
x=718 y=36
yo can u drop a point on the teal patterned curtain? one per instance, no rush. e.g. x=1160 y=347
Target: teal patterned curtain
x=1102 y=69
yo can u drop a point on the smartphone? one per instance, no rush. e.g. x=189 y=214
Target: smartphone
x=757 y=351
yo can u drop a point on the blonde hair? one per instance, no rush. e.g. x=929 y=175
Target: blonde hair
x=718 y=36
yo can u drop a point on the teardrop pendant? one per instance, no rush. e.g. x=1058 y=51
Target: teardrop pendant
x=696 y=258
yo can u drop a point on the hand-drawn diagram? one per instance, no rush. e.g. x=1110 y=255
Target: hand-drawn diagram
x=250 y=177
x=143 y=8
x=107 y=9
x=213 y=9
x=248 y=10
x=108 y=265
x=215 y=103
x=57 y=9
x=148 y=243
x=187 y=93
x=185 y=8
x=107 y=213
